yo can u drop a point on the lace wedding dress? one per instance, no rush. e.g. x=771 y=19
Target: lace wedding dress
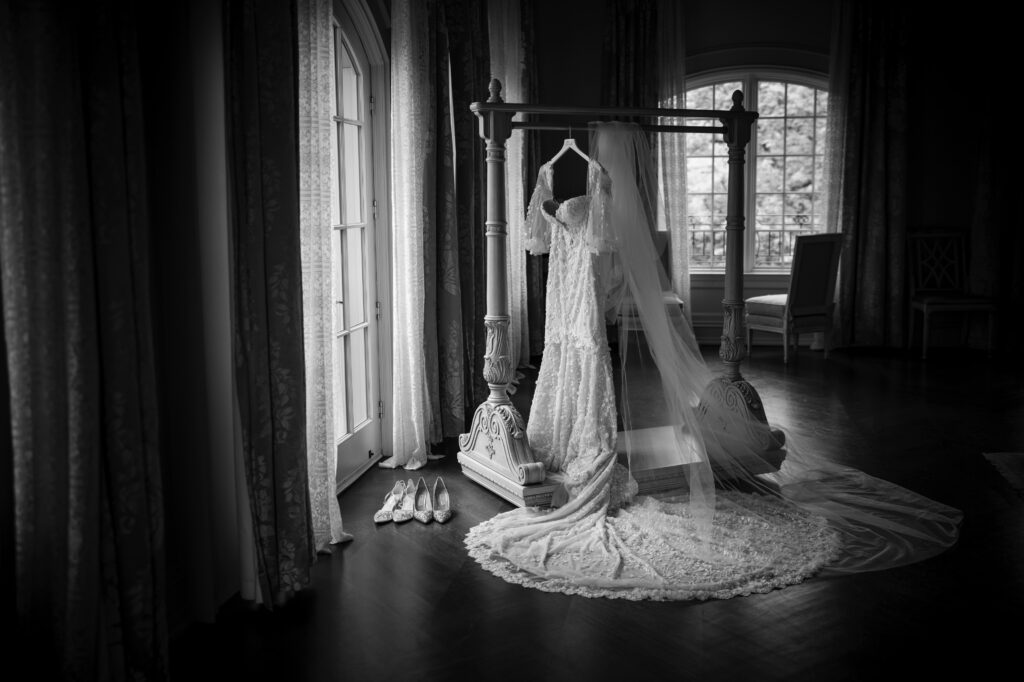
x=719 y=539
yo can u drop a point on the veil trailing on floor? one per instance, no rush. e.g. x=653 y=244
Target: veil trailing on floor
x=755 y=511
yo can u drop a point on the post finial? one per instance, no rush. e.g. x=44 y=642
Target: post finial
x=737 y=100
x=495 y=89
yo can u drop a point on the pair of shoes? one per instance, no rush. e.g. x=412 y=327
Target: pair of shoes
x=398 y=504
x=407 y=501
x=435 y=506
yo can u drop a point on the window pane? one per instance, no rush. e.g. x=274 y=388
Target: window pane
x=698 y=205
x=341 y=400
x=770 y=135
x=353 y=171
x=335 y=178
x=822 y=109
x=820 y=139
x=337 y=271
x=700 y=98
x=771 y=98
x=799 y=173
x=698 y=144
x=349 y=85
x=798 y=204
x=359 y=390
x=335 y=75
x=723 y=94
x=355 y=294
x=799 y=100
x=769 y=204
x=800 y=136
x=698 y=175
x=769 y=174
x=721 y=170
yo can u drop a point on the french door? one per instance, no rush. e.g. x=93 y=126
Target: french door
x=357 y=400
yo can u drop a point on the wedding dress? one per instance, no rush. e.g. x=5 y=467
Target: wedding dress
x=724 y=535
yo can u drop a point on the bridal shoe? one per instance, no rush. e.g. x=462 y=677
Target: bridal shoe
x=405 y=509
x=391 y=502
x=424 y=507
x=441 y=501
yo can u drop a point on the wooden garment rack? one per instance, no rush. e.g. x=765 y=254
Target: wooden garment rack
x=495 y=452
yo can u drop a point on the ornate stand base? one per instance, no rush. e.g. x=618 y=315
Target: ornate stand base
x=739 y=397
x=496 y=455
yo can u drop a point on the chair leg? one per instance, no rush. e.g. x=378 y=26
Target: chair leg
x=826 y=340
x=785 y=346
x=748 y=341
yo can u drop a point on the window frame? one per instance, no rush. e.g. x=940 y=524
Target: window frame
x=749 y=77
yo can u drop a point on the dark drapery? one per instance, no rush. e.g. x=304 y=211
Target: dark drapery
x=260 y=53
x=455 y=273
x=631 y=55
x=80 y=431
x=868 y=87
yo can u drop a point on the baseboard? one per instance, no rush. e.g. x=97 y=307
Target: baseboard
x=351 y=478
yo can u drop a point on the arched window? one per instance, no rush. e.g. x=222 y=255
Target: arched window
x=785 y=165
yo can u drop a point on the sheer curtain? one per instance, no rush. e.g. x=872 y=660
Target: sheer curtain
x=440 y=64
x=87 y=512
x=867 y=171
x=316 y=76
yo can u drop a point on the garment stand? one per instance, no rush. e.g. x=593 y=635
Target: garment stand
x=495 y=452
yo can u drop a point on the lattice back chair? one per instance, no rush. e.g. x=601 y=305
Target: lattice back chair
x=808 y=305
x=939 y=284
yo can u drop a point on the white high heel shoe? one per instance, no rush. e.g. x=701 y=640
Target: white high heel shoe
x=441 y=501
x=391 y=502
x=405 y=509
x=424 y=508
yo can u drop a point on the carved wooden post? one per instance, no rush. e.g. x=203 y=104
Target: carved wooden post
x=495 y=452
x=734 y=346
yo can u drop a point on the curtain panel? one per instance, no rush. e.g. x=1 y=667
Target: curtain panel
x=81 y=420
x=316 y=75
x=266 y=272
x=440 y=64
x=868 y=170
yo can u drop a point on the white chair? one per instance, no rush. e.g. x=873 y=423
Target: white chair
x=808 y=305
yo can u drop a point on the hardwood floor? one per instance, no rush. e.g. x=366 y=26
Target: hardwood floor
x=405 y=602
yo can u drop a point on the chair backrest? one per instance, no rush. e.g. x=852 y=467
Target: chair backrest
x=812 y=281
x=938 y=263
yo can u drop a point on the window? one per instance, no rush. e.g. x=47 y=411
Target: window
x=785 y=163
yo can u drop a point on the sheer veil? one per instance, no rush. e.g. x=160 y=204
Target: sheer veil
x=746 y=508
x=701 y=425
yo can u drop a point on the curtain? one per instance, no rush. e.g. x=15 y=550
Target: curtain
x=506 y=42
x=440 y=64
x=670 y=148
x=867 y=174
x=81 y=419
x=644 y=66
x=266 y=272
x=536 y=266
x=316 y=74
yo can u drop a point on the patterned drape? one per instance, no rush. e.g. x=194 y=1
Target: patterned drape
x=868 y=170
x=438 y=181
x=88 y=518
x=316 y=64
x=266 y=272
